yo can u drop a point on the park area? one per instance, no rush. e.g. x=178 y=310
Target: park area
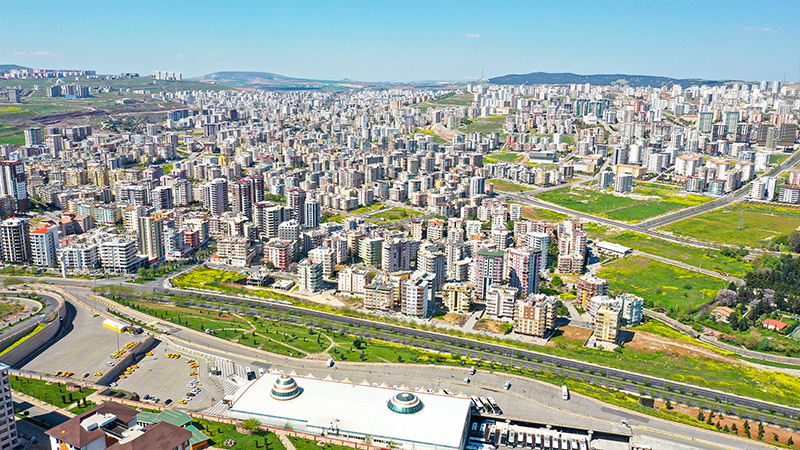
x=747 y=224
x=661 y=285
x=651 y=202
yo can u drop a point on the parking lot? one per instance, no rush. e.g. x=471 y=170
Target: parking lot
x=167 y=378
x=87 y=348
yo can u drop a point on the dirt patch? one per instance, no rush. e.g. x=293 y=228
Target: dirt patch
x=452 y=319
x=493 y=326
x=769 y=431
x=572 y=334
x=654 y=343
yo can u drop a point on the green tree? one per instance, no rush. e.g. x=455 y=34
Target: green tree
x=700 y=416
x=251 y=424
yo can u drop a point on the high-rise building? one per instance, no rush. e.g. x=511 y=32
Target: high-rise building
x=487 y=270
x=44 y=246
x=13 y=182
x=161 y=198
x=417 y=230
x=326 y=257
x=432 y=261
x=309 y=275
x=536 y=314
x=311 y=213
x=118 y=255
x=590 y=286
x=435 y=230
x=369 y=250
x=704 y=121
x=8 y=431
x=295 y=200
x=501 y=301
x=418 y=295
x=523 y=268
x=477 y=186
x=242 y=196
x=151 y=238
x=15 y=240
x=397 y=254
x=632 y=307
x=606 y=325
x=33 y=136
x=623 y=182
x=215 y=196
x=457 y=297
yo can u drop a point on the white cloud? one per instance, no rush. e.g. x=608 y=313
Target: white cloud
x=179 y=57
x=38 y=54
x=477 y=36
x=765 y=30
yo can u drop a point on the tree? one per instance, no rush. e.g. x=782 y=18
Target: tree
x=12 y=281
x=760 y=431
x=790 y=441
x=794 y=241
x=269 y=265
x=251 y=424
x=557 y=281
x=727 y=297
x=734 y=428
x=668 y=404
x=700 y=416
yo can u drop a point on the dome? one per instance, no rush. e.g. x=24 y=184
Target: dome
x=405 y=403
x=284 y=388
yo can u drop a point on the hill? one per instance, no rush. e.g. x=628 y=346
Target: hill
x=7 y=67
x=267 y=80
x=599 y=80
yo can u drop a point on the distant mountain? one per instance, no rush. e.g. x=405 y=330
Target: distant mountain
x=599 y=80
x=7 y=67
x=267 y=80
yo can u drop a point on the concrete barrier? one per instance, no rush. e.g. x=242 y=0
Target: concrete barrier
x=38 y=340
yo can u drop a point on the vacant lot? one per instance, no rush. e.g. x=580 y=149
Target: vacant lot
x=584 y=200
x=395 y=214
x=529 y=212
x=508 y=187
x=368 y=208
x=623 y=208
x=698 y=257
x=503 y=156
x=759 y=224
x=661 y=284
x=487 y=125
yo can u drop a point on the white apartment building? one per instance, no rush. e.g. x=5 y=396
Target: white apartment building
x=44 y=246
x=500 y=301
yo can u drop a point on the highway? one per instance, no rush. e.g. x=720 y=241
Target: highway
x=532 y=399
x=511 y=356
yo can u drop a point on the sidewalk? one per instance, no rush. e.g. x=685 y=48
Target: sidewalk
x=285 y=440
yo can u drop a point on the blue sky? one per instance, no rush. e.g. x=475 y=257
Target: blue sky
x=408 y=40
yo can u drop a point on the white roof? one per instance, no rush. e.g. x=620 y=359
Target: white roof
x=358 y=409
x=614 y=247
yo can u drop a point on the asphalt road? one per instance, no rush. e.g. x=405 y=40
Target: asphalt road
x=527 y=399
x=486 y=351
x=51 y=302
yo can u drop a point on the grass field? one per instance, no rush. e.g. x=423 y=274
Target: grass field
x=760 y=224
x=531 y=213
x=503 y=156
x=54 y=393
x=698 y=257
x=661 y=284
x=584 y=200
x=219 y=432
x=395 y=214
x=485 y=125
x=623 y=208
x=368 y=208
x=463 y=99
x=508 y=187
x=778 y=158
x=9 y=134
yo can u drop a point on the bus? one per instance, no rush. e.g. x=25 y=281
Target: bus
x=564 y=392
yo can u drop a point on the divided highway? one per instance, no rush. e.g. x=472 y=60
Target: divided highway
x=520 y=357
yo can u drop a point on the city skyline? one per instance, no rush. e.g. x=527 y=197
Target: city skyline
x=410 y=41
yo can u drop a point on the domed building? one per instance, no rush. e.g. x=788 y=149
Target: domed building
x=350 y=411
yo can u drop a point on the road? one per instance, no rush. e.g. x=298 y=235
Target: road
x=507 y=355
x=528 y=397
x=51 y=302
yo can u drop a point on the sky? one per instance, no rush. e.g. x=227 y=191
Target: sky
x=379 y=40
